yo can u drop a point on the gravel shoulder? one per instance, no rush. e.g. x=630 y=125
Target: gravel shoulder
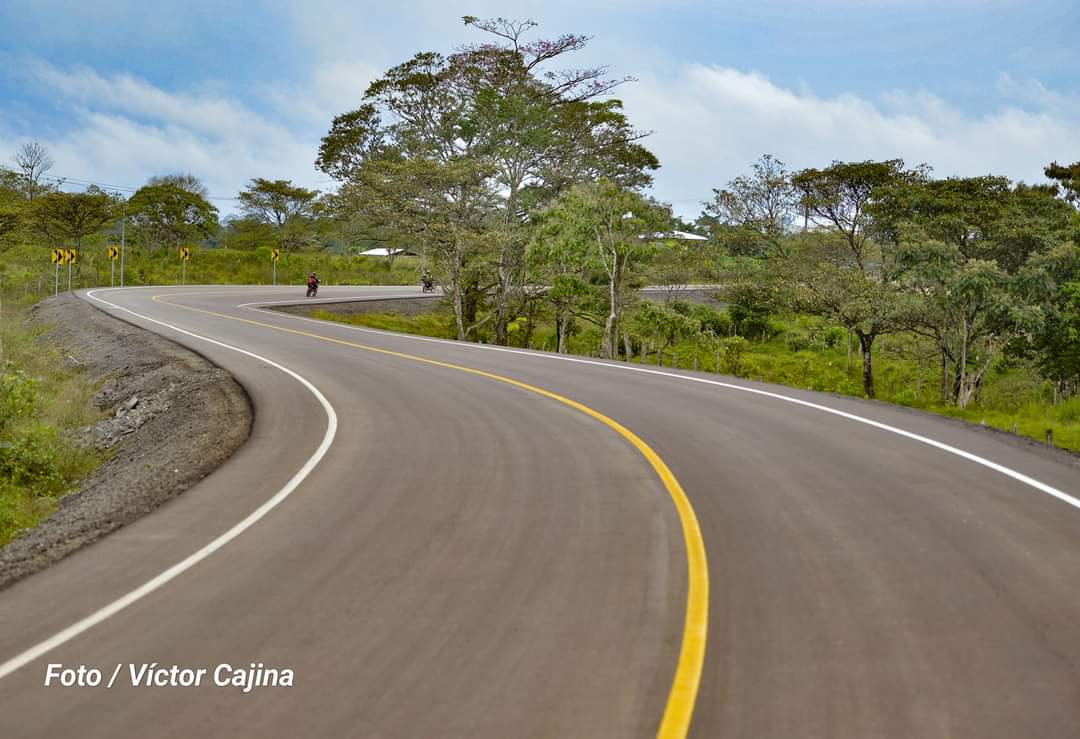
x=170 y=418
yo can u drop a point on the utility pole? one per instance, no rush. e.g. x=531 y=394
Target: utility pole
x=123 y=229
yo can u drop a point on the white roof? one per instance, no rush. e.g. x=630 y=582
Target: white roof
x=681 y=235
x=383 y=251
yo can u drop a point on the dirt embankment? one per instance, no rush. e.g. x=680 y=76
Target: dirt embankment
x=171 y=418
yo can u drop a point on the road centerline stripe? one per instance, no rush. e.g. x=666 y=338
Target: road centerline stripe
x=682 y=695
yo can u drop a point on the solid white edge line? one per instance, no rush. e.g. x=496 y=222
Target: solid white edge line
x=150 y=586
x=1008 y=472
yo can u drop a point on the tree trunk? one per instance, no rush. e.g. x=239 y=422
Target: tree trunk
x=866 y=343
x=608 y=347
x=563 y=328
x=944 y=373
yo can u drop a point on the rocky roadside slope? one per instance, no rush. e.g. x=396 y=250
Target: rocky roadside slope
x=171 y=418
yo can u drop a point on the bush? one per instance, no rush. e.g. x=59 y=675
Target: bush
x=731 y=356
x=833 y=337
x=712 y=320
x=31 y=460
x=18 y=396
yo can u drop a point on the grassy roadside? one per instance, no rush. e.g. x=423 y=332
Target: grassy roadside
x=42 y=400
x=28 y=270
x=804 y=353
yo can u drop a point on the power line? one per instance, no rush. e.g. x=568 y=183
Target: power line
x=121 y=188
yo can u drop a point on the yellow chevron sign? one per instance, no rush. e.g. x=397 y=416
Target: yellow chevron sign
x=185 y=253
x=113 y=252
x=57 y=256
x=274 y=254
x=71 y=256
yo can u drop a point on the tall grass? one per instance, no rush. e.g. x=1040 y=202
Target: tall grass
x=42 y=401
x=27 y=269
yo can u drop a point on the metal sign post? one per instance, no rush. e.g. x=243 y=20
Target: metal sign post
x=274 y=254
x=56 y=256
x=123 y=232
x=112 y=252
x=184 y=254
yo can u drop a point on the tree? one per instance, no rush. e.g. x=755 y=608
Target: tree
x=166 y=215
x=970 y=307
x=493 y=110
x=1051 y=281
x=821 y=275
x=850 y=284
x=614 y=224
x=354 y=138
x=184 y=180
x=64 y=218
x=277 y=201
x=1068 y=176
x=840 y=195
x=754 y=212
x=34 y=161
x=961 y=244
x=12 y=202
x=247 y=234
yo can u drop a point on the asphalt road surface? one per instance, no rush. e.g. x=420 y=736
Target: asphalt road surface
x=437 y=541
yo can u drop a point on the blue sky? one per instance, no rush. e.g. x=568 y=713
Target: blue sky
x=120 y=90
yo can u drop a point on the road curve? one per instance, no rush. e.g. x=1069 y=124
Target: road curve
x=438 y=552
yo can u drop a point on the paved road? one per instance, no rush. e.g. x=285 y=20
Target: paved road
x=471 y=558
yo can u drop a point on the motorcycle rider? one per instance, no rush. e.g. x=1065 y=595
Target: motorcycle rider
x=427 y=282
x=312 y=285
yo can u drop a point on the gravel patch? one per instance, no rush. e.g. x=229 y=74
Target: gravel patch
x=171 y=418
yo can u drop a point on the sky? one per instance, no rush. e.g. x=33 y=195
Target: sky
x=122 y=90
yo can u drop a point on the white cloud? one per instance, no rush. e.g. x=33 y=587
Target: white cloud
x=711 y=123
x=122 y=130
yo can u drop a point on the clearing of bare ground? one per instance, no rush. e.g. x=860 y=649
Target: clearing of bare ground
x=170 y=418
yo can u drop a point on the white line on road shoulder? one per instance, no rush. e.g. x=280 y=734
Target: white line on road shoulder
x=1008 y=472
x=252 y=518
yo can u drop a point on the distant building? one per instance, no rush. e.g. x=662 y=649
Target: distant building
x=383 y=251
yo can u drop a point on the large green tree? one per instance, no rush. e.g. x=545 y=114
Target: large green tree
x=754 y=212
x=66 y=218
x=167 y=215
x=961 y=243
x=496 y=110
x=290 y=209
x=614 y=226
x=848 y=278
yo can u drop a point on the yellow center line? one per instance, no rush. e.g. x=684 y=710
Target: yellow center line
x=684 y=688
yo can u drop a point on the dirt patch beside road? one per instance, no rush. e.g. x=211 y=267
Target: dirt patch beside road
x=171 y=418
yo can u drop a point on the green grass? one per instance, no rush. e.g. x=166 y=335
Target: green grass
x=437 y=325
x=41 y=402
x=800 y=355
x=27 y=269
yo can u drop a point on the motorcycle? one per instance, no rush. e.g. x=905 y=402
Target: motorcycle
x=427 y=285
x=313 y=290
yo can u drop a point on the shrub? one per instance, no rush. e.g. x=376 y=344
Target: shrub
x=731 y=355
x=31 y=460
x=18 y=396
x=833 y=337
